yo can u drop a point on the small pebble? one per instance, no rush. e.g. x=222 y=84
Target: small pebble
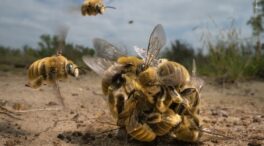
x=256 y=119
x=110 y=135
x=68 y=138
x=214 y=141
x=60 y=136
x=77 y=134
x=75 y=94
x=254 y=143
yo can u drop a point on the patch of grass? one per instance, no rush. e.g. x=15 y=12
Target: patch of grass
x=230 y=58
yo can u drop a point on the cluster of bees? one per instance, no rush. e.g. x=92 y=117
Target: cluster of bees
x=149 y=97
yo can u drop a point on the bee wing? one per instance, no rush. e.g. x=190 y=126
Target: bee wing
x=141 y=52
x=156 y=42
x=197 y=83
x=62 y=34
x=98 y=65
x=106 y=50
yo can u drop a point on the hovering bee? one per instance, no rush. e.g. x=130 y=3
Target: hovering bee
x=49 y=70
x=93 y=7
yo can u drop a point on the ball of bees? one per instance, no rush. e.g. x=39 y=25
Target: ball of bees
x=158 y=96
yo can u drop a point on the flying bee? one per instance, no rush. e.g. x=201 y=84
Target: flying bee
x=49 y=70
x=93 y=7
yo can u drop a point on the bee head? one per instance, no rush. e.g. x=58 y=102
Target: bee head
x=140 y=68
x=72 y=69
x=99 y=7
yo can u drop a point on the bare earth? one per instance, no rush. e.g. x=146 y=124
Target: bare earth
x=236 y=111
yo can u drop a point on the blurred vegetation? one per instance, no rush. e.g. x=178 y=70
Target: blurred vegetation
x=256 y=23
x=229 y=58
x=23 y=57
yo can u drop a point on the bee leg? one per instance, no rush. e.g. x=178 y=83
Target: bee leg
x=122 y=134
x=35 y=83
x=112 y=103
x=194 y=96
x=57 y=87
x=154 y=118
x=187 y=130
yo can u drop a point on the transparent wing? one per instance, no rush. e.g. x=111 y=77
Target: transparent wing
x=196 y=82
x=156 y=42
x=98 y=65
x=106 y=50
x=61 y=34
x=141 y=52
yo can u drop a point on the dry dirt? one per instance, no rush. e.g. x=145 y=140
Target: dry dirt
x=236 y=111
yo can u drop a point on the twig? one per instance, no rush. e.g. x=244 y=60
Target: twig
x=9 y=115
x=41 y=109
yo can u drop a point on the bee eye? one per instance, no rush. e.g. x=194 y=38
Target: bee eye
x=140 y=68
x=69 y=67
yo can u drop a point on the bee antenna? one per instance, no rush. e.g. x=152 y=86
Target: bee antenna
x=110 y=7
x=208 y=131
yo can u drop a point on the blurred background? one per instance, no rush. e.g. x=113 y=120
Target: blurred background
x=225 y=37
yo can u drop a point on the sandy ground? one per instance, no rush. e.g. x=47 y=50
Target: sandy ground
x=233 y=110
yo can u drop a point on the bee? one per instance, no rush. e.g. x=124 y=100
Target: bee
x=49 y=70
x=135 y=119
x=187 y=131
x=116 y=70
x=93 y=7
